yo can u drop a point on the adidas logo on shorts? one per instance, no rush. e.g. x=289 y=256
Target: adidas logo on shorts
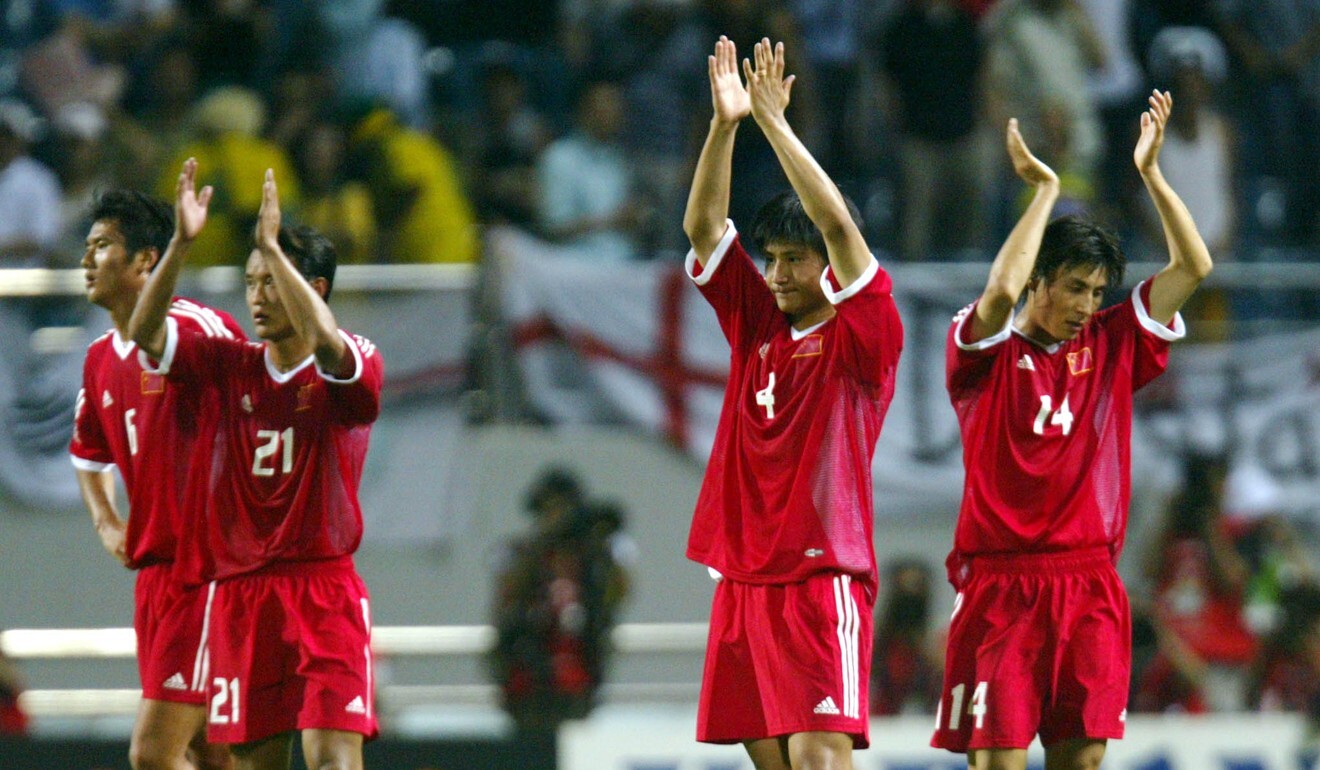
x=827 y=707
x=356 y=706
x=175 y=682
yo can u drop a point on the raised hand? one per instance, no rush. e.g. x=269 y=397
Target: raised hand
x=268 y=217
x=1031 y=169
x=190 y=207
x=727 y=93
x=1153 y=121
x=769 y=89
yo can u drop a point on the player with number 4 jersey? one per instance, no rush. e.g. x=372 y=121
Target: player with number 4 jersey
x=278 y=519
x=1040 y=639
x=784 y=517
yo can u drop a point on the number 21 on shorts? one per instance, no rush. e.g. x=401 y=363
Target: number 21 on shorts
x=976 y=707
x=224 y=702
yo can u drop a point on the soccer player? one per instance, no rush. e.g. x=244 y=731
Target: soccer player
x=784 y=514
x=290 y=625
x=1040 y=640
x=136 y=421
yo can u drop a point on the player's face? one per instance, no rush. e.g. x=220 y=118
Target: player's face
x=110 y=273
x=793 y=274
x=1061 y=307
x=269 y=318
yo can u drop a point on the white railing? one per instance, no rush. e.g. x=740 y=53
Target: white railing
x=387 y=641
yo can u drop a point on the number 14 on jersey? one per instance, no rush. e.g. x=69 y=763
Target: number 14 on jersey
x=1063 y=416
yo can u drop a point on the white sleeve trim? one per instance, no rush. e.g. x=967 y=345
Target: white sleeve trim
x=1174 y=334
x=166 y=358
x=862 y=282
x=716 y=256
x=357 y=363
x=91 y=466
x=989 y=342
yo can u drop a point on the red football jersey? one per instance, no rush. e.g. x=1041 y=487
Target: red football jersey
x=787 y=491
x=1046 y=431
x=284 y=457
x=130 y=417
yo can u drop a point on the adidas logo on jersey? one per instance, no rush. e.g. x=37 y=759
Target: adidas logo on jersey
x=106 y=401
x=356 y=706
x=175 y=682
x=827 y=707
x=1025 y=363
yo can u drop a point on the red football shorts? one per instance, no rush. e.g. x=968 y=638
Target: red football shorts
x=784 y=659
x=1037 y=644
x=168 y=619
x=290 y=649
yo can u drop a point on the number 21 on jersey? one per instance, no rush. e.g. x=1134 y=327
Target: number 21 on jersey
x=275 y=453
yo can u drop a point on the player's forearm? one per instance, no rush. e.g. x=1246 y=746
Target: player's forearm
x=98 y=494
x=309 y=314
x=822 y=201
x=1012 y=267
x=704 y=221
x=1187 y=251
x=146 y=326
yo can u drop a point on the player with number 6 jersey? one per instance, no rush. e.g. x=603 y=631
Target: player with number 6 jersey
x=1040 y=638
x=130 y=418
x=278 y=519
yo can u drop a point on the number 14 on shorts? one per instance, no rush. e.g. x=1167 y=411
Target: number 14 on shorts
x=976 y=707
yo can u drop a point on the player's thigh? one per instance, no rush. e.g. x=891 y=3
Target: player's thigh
x=1080 y=754
x=768 y=753
x=997 y=759
x=332 y=749
x=273 y=753
x=163 y=731
x=820 y=751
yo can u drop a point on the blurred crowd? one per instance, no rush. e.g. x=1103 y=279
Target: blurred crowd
x=398 y=126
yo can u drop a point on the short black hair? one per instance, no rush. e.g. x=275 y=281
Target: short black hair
x=783 y=219
x=312 y=253
x=1073 y=241
x=144 y=221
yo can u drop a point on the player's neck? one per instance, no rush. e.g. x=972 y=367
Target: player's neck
x=811 y=318
x=288 y=353
x=1034 y=331
x=120 y=313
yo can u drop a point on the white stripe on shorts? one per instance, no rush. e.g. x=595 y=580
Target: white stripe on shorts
x=202 y=659
x=846 y=608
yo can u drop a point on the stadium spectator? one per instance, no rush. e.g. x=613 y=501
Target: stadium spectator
x=908 y=660
x=29 y=192
x=1040 y=642
x=556 y=600
x=1276 y=554
x=13 y=720
x=586 y=188
x=284 y=427
x=514 y=135
x=1277 y=42
x=1199 y=580
x=228 y=143
x=335 y=205
x=376 y=57
x=784 y=514
x=1039 y=56
x=127 y=419
x=423 y=214
x=932 y=54
x=1286 y=674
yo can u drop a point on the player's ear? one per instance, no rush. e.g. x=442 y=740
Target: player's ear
x=321 y=286
x=145 y=259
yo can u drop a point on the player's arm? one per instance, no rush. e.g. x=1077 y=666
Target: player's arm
x=98 y=493
x=1013 y=264
x=308 y=312
x=1189 y=259
x=146 y=327
x=708 y=201
x=770 y=92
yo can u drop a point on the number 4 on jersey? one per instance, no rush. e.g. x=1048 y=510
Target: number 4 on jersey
x=1063 y=417
x=766 y=398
